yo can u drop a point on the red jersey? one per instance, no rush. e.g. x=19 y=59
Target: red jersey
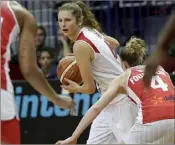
x=9 y=32
x=158 y=102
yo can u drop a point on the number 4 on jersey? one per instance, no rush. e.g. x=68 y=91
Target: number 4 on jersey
x=157 y=82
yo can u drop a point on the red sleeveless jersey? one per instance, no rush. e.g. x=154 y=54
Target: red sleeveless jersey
x=157 y=103
x=9 y=33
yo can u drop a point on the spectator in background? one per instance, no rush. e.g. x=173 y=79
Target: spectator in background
x=172 y=76
x=64 y=45
x=45 y=61
x=40 y=39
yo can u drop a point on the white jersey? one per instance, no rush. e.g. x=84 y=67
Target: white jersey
x=9 y=33
x=107 y=65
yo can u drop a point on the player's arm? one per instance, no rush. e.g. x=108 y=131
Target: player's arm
x=168 y=34
x=117 y=86
x=28 y=62
x=83 y=54
x=163 y=44
x=112 y=42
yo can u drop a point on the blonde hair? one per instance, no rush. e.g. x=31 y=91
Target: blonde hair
x=134 y=52
x=79 y=9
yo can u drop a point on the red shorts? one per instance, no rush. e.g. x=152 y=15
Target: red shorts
x=10 y=131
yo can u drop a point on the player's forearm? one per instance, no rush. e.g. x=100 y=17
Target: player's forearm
x=37 y=80
x=86 y=89
x=91 y=114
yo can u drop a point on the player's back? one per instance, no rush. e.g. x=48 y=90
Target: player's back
x=157 y=103
x=106 y=64
x=9 y=32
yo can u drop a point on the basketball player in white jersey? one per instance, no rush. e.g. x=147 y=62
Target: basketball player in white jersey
x=17 y=21
x=155 y=121
x=94 y=53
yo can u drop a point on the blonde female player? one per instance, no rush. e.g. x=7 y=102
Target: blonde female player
x=155 y=121
x=96 y=60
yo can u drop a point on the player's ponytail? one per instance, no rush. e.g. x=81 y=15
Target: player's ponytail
x=89 y=19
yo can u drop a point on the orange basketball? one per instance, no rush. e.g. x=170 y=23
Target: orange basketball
x=68 y=68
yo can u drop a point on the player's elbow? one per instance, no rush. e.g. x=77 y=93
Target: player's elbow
x=91 y=89
x=26 y=73
x=113 y=42
x=27 y=70
x=96 y=109
x=116 y=44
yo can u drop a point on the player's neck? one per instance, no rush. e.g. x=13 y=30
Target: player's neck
x=74 y=37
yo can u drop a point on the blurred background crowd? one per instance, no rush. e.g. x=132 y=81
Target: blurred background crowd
x=41 y=121
x=120 y=19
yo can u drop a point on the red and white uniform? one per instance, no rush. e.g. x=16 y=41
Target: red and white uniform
x=9 y=32
x=105 y=67
x=155 y=121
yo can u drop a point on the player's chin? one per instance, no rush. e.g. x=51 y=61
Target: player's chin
x=66 y=34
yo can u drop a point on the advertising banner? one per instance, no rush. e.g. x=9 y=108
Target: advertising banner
x=44 y=123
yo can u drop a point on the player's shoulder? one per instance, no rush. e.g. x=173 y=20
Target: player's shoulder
x=91 y=33
x=21 y=13
x=17 y=7
x=83 y=38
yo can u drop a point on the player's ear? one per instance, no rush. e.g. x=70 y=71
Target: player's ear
x=80 y=21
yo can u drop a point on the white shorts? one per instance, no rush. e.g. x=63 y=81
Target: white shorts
x=113 y=123
x=159 y=132
x=8 y=105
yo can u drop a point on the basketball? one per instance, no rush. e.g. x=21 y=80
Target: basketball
x=68 y=68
